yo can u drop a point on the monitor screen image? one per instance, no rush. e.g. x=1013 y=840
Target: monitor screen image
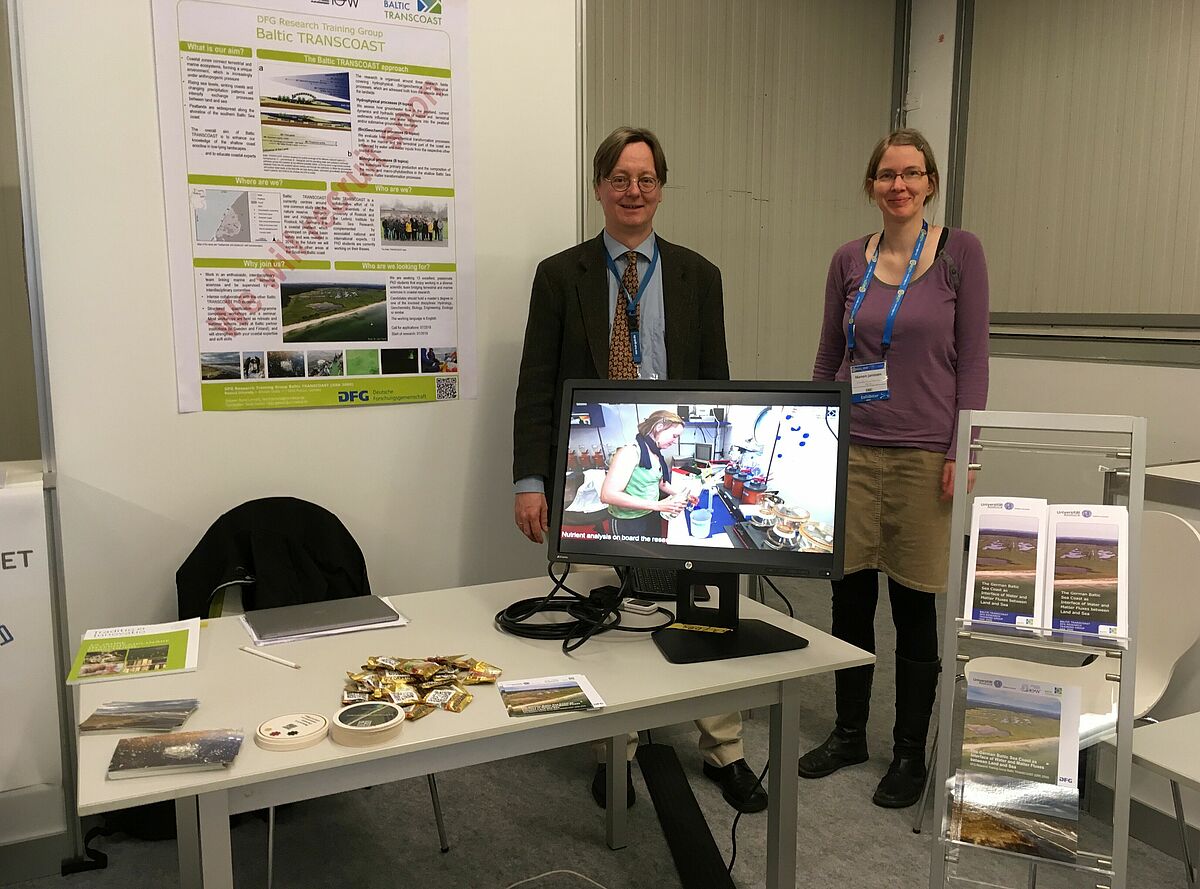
x=768 y=496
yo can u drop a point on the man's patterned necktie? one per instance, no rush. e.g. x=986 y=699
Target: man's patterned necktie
x=620 y=356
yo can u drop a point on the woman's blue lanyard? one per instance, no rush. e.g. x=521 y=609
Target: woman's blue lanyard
x=895 y=310
x=631 y=302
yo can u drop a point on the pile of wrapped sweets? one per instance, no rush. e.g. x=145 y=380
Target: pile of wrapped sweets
x=419 y=685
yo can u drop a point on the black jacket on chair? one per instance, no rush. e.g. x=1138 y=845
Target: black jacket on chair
x=281 y=550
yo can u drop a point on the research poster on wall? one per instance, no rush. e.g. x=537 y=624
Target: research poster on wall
x=316 y=168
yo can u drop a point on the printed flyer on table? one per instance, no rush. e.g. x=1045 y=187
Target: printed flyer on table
x=315 y=167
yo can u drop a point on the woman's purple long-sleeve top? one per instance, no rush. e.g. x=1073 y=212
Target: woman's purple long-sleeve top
x=938 y=360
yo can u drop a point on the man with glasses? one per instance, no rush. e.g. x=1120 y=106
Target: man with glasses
x=624 y=305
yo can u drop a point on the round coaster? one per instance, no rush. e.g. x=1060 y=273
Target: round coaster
x=360 y=725
x=292 y=731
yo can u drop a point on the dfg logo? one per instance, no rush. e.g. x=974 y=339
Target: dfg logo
x=354 y=395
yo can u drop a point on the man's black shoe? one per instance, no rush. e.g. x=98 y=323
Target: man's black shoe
x=599 y=785
x=739 y=785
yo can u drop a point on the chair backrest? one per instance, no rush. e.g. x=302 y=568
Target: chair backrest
x=1168 y=617
x=285 y=551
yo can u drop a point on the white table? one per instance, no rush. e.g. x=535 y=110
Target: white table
x=642 y=690
x=1169 y=748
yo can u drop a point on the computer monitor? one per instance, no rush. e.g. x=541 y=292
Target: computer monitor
x=776 y=509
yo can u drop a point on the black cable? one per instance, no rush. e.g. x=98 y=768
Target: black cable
x=96 y=860
x=827 y=426
x=786 y=601
x=738 y=817
x=587 y=615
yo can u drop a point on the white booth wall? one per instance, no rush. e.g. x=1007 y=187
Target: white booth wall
x=425 y=489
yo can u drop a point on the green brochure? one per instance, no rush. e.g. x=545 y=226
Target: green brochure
x=129 y=652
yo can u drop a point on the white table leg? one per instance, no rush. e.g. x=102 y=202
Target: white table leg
x=216 y=856
x=782 y=785
x=616 y=813
x=187 y=832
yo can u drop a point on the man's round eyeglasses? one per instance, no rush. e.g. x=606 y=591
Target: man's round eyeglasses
x=910 y=177
x=622 y=183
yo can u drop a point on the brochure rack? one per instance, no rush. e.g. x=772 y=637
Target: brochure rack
x=1007 y=846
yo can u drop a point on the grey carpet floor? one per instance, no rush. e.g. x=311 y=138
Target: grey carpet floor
x=511 y=821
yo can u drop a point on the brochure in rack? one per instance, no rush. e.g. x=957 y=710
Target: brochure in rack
x=1017 y=786
x=1006 y=564
x=142 y=650
x=548 y=694
x=1090 y=570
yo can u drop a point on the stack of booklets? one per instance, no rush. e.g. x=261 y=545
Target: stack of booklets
x=1006 y=564
x=1058 y=567
x=1017 y=788
x=140 y=650
x=139 y=716
x=548 y=694
x=175 y=752
x=1091 y=570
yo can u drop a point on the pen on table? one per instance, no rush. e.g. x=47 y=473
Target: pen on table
x=251 y=650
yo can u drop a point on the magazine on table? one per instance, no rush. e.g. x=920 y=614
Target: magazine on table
x=1006 y=563
x=548 y=694
x=139 y=650
x=175 y=752
x=1017 y=785
x=140 y=716
x=1090 y=570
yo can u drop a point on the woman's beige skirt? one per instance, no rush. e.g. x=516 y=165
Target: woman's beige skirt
x=895 y=520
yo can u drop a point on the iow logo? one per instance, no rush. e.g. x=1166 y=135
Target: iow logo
x=354 y=395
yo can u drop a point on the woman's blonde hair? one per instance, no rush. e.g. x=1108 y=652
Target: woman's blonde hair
x=658 y=421
x=905 y=136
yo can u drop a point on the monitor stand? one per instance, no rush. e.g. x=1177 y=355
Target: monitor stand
x=716 y=634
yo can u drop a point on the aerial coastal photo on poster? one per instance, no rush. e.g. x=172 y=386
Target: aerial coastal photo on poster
x=220 y=365
x=333 y=311
x=732 y=476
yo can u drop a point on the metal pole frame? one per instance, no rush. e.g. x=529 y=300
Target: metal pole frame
x=37 y=313
x=1136 y=429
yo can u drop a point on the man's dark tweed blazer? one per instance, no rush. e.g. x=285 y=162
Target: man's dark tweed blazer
x=567 y=337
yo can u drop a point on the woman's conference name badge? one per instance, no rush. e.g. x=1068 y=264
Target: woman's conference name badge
x=868 y=382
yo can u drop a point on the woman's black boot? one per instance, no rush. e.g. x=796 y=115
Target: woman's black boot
x=916 y=685
x=847 y=743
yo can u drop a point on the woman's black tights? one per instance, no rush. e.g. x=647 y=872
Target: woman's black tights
x=913 y=614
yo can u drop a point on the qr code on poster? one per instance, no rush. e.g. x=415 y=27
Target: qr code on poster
x=447 y=388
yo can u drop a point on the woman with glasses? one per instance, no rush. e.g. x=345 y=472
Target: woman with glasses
x=906 y=323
